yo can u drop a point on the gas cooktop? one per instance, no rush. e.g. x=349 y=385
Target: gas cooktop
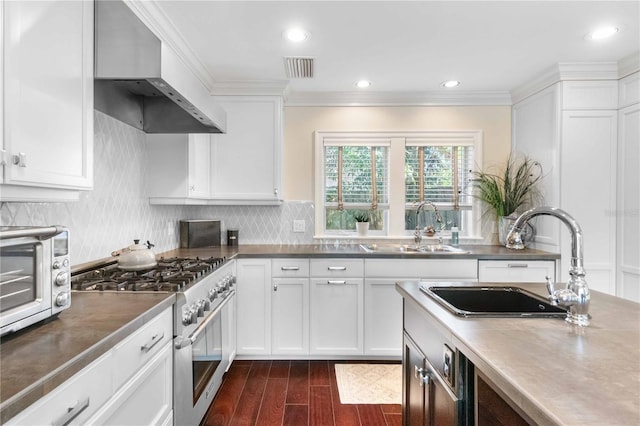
x=173 y=274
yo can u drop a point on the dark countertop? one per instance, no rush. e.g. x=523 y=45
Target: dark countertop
x=37 y=359
x=555 y=372
x=485 y=252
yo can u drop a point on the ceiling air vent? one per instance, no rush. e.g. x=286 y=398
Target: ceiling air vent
x=297 y=67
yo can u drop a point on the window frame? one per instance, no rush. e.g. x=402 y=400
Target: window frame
x=397 y=140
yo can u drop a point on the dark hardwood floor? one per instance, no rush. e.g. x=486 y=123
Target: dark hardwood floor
x=293 y=393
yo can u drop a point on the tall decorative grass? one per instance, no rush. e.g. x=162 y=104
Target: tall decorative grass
x=516 y=186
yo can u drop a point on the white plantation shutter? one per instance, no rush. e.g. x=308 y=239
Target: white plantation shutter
x=438 y=172
x=349 y=172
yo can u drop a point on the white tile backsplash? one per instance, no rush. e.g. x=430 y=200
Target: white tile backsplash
x=117 y=209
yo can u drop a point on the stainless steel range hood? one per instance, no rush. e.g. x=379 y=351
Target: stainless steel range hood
x=143 y=82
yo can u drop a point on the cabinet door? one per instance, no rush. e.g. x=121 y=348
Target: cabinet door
x=147 y=399
x=628 y=249
x=178 y=168
x=253 y=294
x=246 y=161
x=48 y=84
x=413 y=407
x=589 y=140
x=336 y=316
x=382 y=318
x=199 y=165
x=290 y=316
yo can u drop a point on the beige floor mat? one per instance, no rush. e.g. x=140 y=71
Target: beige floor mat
x=369 y=383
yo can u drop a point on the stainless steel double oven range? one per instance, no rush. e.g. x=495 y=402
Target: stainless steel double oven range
x=204 y=322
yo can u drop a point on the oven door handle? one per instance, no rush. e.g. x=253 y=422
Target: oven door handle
x=184 y=342
x=40 y=232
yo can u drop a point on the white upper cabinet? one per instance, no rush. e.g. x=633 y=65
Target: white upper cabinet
x=571 y=129
x=48 y=99
x=241 y=167
x=179 y=168
x=247 y=160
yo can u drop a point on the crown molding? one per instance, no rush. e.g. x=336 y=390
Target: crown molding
x=259 y=87
x=628 y=65
x=158 y=22
x=566 y=71
x=397 y=98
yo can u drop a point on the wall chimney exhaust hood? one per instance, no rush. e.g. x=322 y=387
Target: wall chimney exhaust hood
x=143 y=82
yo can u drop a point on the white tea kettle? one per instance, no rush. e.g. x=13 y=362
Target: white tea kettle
x=136 y=257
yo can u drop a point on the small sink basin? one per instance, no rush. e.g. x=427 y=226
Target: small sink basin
x=492 y=301
x=389 y=248
x=407 y=248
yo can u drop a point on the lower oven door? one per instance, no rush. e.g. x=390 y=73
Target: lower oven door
x=199 y=366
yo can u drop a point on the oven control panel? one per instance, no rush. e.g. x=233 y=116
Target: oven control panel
x=212 y=292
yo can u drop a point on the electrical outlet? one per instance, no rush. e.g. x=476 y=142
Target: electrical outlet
x=170 y=229
x=298 y=225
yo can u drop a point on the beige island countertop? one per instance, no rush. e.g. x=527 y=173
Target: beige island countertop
x=554 y=372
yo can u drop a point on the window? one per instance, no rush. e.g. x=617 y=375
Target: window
x=438 y=171
x=387 y=174
x=355 y=183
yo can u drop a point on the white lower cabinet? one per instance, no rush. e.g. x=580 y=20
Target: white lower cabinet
x=383 y=304
x=253 y=294
x=336 y=312
x=515 y=271
x=147 y=399
x=131 y=384
x=290 y=316
x=382 y=317
x=336 y=316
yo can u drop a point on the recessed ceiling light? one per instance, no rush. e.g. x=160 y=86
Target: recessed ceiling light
x=451 y=83
x=603 y=32
x=362 y=84
x=297 y=35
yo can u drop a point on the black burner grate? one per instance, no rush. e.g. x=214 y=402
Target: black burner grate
x=170 y=274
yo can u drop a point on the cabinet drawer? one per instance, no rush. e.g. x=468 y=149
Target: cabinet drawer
x=451 y=269
x=136 y=350
x=337 y=267
x=75 y=400
x=290 y=268
x=515 y=271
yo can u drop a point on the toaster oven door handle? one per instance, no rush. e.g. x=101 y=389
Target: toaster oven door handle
x=184 y=342
x=42 y=233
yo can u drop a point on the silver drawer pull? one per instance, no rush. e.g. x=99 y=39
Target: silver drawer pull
x=336 y=282
x=517 y=265
x=72 y=413
x=290 y=268
x=154 y=341
x=337 y=268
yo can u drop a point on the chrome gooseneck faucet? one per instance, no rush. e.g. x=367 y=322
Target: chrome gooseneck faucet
x=576 y=295
x=417 y=234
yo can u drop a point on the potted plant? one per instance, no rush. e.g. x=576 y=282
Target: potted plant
x=362 y=222
x=510 y=191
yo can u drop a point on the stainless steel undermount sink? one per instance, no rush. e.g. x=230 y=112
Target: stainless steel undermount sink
x=407 y=248
x=492 y=302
